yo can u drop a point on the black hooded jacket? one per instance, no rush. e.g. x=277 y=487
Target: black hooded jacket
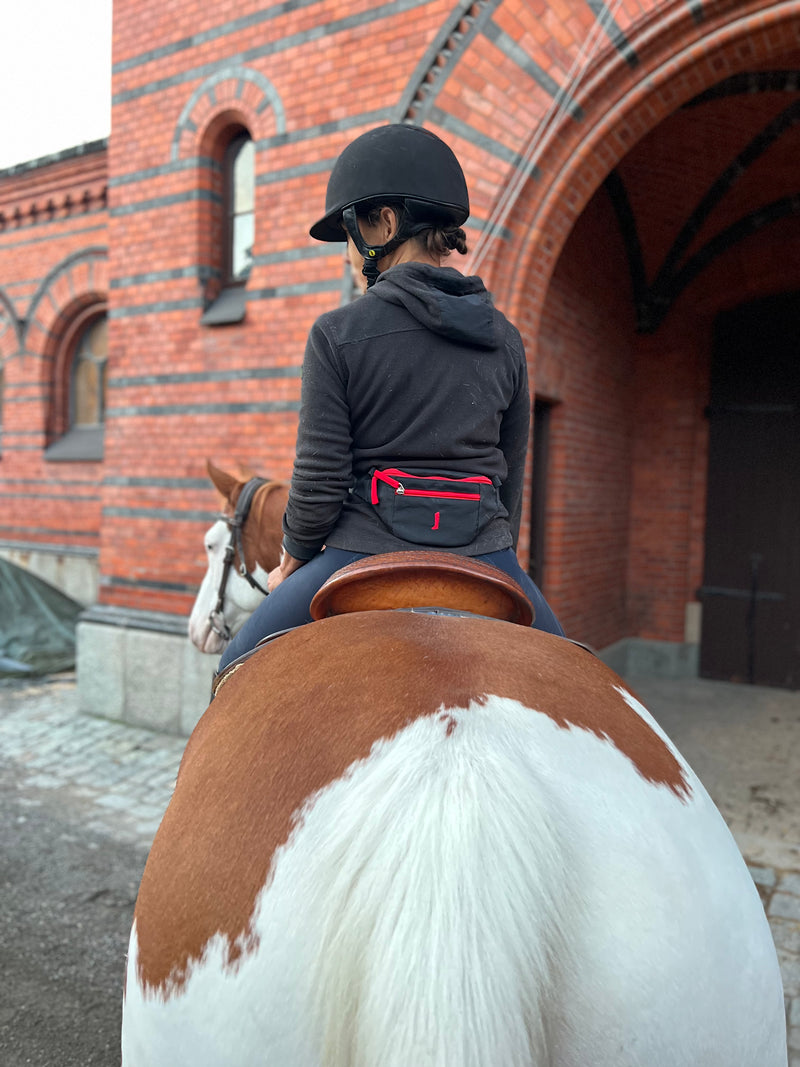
x=422 y=373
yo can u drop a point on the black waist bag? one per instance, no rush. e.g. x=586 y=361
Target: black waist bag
x=432 y=509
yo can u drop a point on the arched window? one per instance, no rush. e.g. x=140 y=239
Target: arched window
x=240 y=190
x=88 y=385
x=80 y=392
x=234 y=229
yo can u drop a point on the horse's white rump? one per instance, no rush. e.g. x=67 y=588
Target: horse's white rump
x=486 y=889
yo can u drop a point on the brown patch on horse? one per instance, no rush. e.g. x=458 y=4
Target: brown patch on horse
x=306 y=707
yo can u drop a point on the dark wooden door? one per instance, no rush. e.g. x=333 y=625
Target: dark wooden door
x=751 y=586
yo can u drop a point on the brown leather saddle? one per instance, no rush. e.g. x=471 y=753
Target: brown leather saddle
x=429 y=582
x=423 y=580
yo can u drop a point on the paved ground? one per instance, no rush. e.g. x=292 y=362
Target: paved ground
x=80 y=800
x=743 y=742
x=85 y=797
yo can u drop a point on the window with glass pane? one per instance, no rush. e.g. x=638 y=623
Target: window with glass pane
x=241 y=206
x=89 y=375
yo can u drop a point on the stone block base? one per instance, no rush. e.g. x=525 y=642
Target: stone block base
x=140 y=668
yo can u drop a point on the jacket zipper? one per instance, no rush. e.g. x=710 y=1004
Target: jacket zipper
x=444 y=495
x=400 y=489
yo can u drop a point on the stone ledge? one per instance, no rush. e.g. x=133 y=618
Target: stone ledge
x=636 y=657
x=135 y=618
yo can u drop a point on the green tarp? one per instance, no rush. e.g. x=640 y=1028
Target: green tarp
x=37 y=624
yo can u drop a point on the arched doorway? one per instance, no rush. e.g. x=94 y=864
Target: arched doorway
x=700 y=216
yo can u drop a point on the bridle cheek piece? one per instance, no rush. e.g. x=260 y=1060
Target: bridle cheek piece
x=233 y=549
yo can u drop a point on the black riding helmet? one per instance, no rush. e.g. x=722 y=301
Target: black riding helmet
x=396 y=162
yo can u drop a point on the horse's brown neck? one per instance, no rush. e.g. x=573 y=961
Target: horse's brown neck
x=261 y=533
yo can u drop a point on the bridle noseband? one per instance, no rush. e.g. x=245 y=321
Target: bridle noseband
x=233 y=549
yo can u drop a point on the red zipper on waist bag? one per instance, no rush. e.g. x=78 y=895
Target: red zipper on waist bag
x=392 y=476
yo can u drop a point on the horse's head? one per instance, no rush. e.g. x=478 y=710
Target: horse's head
x=241 y=548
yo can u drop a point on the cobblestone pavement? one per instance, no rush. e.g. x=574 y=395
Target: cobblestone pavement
x=122 y=777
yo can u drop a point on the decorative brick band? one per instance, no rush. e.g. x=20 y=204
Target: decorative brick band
x=267 y=407
x=47 y=238
x=235 y=374
x=46 y=531
x=162 y=514
x=116 y=581
x=93 y=198
x=122 y=481
x=83 y=192
x=51 y=548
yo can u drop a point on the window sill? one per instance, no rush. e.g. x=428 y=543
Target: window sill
x=228 y=308
x=80 y=444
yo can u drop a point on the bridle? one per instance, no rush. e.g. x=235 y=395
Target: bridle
x=233 y=549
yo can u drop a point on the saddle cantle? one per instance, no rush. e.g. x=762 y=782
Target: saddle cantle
x=395 y=580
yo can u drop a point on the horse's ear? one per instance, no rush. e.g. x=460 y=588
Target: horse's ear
x=224 y=482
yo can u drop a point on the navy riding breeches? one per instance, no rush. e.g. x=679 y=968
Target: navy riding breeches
x=289 y=605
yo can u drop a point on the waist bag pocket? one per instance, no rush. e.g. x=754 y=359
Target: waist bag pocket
x=431 y=509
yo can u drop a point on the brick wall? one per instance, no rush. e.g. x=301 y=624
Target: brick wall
x=624 y=538
x=53 y=263
x=585 y=363
x=180 y=391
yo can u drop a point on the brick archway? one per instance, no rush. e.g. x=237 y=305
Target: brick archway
x=78 y=281
x=684 y=60
x=627 y=509
x=234 y=93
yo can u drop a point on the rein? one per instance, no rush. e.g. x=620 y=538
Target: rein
x=233 y=549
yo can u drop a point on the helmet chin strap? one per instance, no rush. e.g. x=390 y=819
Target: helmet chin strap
x=371 y=253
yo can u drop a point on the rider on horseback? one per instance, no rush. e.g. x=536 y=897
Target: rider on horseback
x=415 y=410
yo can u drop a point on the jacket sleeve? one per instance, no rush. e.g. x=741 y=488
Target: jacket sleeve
x=323 y=459
x=514 y=431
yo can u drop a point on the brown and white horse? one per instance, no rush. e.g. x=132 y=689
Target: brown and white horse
x=406 y=839
x=240 y=555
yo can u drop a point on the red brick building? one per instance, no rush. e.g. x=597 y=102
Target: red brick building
x=633 y=169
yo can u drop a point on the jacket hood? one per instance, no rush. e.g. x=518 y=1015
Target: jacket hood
x=441 y=299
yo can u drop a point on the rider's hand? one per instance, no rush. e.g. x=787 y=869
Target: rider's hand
x=288 y=565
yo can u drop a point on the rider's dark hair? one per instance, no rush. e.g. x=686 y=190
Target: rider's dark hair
x=439 y=240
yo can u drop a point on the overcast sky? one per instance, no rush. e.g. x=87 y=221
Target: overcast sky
x=55 y=76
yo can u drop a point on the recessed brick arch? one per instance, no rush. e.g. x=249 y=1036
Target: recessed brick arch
x=679 y=58
x=61 y=351
x=234 y=94
x=79 y=281
x=10 y=331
